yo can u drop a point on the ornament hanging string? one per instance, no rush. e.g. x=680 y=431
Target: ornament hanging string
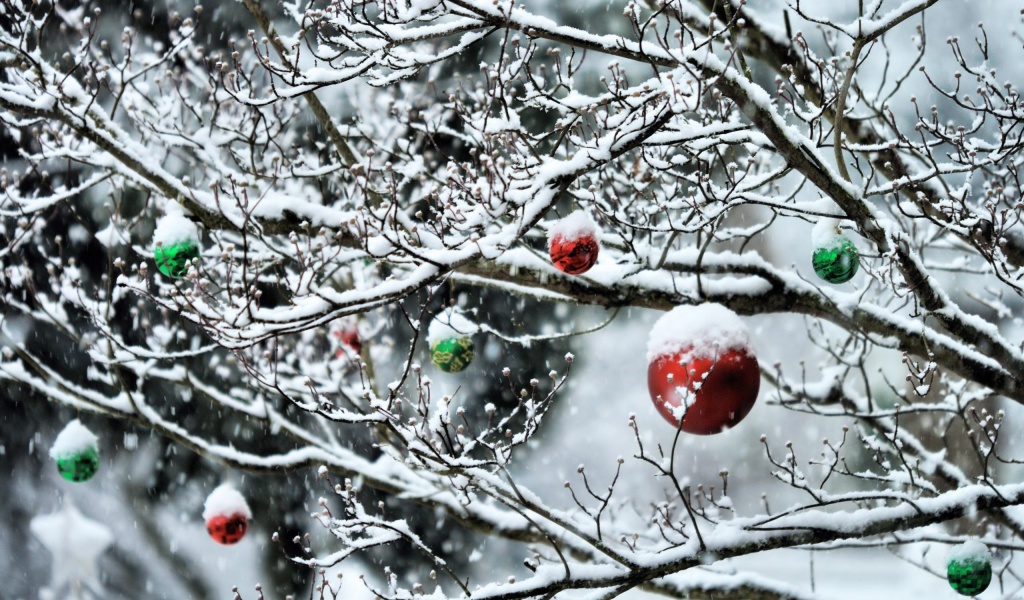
x=701 y=292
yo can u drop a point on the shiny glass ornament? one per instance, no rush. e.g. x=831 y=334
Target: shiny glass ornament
x=453 y=354
x=969 y=575
x=838 y=261
x=173 y=259
x=79 y=466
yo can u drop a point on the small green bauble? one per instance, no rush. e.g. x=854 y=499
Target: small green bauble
x=172 y=259
x=969 y=575
x=453 y=354
x=80 y=466
x=837 y=262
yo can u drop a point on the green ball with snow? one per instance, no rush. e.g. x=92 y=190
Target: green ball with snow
x=450 y=339
x=76 y=453
x=837 y=261
x=453 y=354
x=173 y=259
x=175 y=244
x=79 y=467
x=969 y=570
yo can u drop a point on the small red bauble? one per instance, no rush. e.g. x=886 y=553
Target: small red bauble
x=574 y=256
x=348 y=334
x=720 y=390
x=350 y=337
x=226 y=514
x=572 y=243
x=702 y=368
x=227 y=530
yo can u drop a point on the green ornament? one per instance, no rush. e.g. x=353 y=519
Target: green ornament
x=969 y=575
x=172 y=259
x=836 y=262
x=453 y=354
x=79 y=466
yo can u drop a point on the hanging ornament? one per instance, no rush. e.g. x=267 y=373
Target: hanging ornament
x=350 y=337
x=76 y=452
x=702 y=368
x=226 y=514
x=348 y=334
x=175 y=244
x=450 y=341
x=835 y=257
x=969 y=568
x=572 y=243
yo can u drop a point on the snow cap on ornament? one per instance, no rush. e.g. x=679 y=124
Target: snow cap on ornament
x=76 y=452
x=226 y=514
x=450 y=339
x=969 y=568
x=572 y=243
x=175 y=243
x=702 y=368
x=835 y=258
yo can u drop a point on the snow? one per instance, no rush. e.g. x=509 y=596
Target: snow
x=574 y=226
x=870 y=28
x=174 y=227
x=714 y=582
x=225 y=500
x=78 y=234
x=450 y=324
x=826 y=234
x=74 y=438
x=110 y=236
x=75 y=542
x=703 y=330
x=969 y=551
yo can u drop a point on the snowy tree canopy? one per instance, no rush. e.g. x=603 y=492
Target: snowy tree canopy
x=242 y=241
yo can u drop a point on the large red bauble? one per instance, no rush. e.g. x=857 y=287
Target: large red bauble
x=227 y=530
x=723 y=388
x=574 y=256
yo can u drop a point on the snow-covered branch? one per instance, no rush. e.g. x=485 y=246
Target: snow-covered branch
x=254 y=242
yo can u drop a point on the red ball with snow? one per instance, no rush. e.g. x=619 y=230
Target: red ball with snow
x=702 y=369
x=572 y=243
x=226 y=529
x=348 y=335
x=226 y=514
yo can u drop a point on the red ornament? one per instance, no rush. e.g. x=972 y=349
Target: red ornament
x=226 y=514
x=702 y=368
x=226 y=529
x=574 y=256
x=349 y=336
x=722 y=389
x=572 y=243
